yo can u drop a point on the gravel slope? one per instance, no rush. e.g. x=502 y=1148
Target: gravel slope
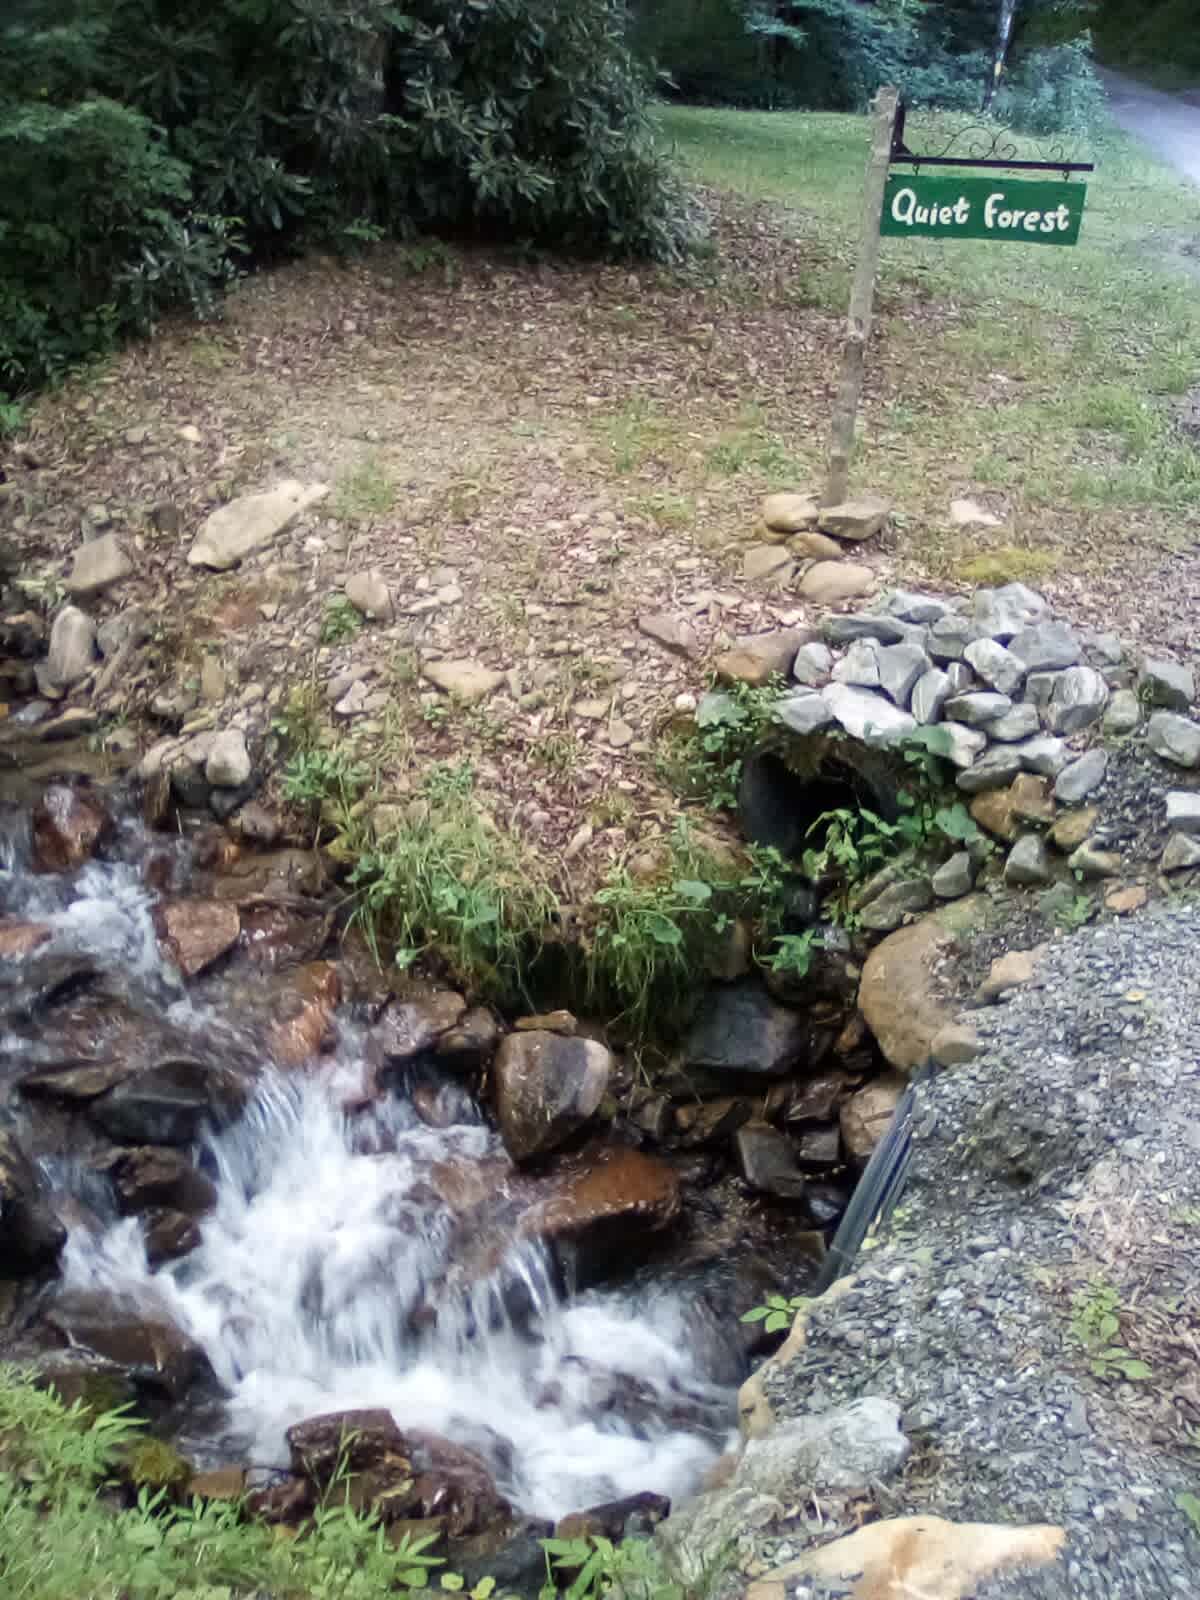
x=1065 y=1156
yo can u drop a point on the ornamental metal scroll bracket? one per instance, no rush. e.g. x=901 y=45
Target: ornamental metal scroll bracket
x=982 y=145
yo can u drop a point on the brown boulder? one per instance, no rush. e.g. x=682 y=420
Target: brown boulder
x=195 y=933
x=19 y=938
x=898 y=995
x=67 y=826
x=30 y=1234
x=865 y=1115
x=168 y=1235
x=757 y=657
x=547 y=1087
x=409 y=1027
x=471 y=1041
x=152 y=1175
x=153 y=1351
x=275 y=936
x=767 y=1160
x=614 y=1186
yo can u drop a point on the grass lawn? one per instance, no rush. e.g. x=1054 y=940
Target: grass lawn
x=1047 y=375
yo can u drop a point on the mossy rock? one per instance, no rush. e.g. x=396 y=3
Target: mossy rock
x=154 y=1464
x=97 y=1390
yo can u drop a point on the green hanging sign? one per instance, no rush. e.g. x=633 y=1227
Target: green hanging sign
x=1014 y=212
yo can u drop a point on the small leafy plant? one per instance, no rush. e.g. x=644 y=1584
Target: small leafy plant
x=633 y=1569
x=777 y=1312
x=1095 y=1324
x=341 y=621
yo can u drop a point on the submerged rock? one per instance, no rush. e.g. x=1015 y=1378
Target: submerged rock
x=168 y=1103
x=68 y=824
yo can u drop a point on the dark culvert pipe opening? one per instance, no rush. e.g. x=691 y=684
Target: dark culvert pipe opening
x=781 y=800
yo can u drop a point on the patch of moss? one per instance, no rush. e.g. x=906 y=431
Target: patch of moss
x=154 y=1464
x=1007 y=565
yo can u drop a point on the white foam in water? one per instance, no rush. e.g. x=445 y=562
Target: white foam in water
x=302 y=1288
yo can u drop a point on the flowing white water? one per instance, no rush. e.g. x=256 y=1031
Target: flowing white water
x=312 y=1288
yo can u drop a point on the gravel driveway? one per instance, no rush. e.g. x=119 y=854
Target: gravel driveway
x=1169 y=124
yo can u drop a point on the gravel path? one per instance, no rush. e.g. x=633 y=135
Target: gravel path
x=1065 y=1156
x=1168 y=123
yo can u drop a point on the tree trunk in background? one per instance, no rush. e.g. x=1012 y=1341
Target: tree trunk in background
x=1004 y=27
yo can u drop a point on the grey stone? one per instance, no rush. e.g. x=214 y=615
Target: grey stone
x=767 y=561
x=1089 y=862
x=900 y=666
x=1180 y=854
x=845 y=1449
x=1174 y=738
x=912 y=606
x=547 y=1087
x=740 y=1029
x=860 y=664
x=867 y=625
x=1123 y=714
x=1047 y=647
x=813 y=663
x=998 y=667
x=1002 y=613
x=699 y=1534
x=978 y=707
x=1022 y=722
x=1028 y=863
x=1039 y=688
x=1079 y=699
x=247 y=523
x=72 y=647
x=866 y=715
x=929 y=695
x=97 y=566
x=964 y=744
x=1105 y=649
x=227 y=765
x=955 y=877
x=859 y=518
x=1183 y=810
x=1044 y=755
x=113 y=631
x=1166 y=684
x=368 y=592
x=995 y=769
x=950 y=635
x=889 y=909
x=766 y=1159
x=803 y=713
x=1078 y=778
x=961 y=677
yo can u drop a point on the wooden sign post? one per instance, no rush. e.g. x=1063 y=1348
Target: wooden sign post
x=862 y=299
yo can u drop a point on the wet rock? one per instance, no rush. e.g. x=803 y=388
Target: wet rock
x=1028 y=864
x=1077 y=780
x=634 y=1517
x=277 y=936
x=607 y=1201
x=673 y=633
x=844 y=1449
x=865 y=1115
x=471 y=1041
x=31 y=1236
x=547 y=1088
x=258 y=825
x=954 y=877
x=304 y=1013
x=818 y=1148
x=236 y=530
x=898 y=901
x=929 y=695
x=408 y=1028
x=453 y=1483
x=1047 y=647
x=227 y=765
x=1078 y=700
x=195 y=933
x=154 y=1352
x=67 y=825
x=1003 y=613
x=363 y=1444
x=827 y=583
x=168 y=1103
x=1123 y=714
x=1166 y=685
x=711 y=1121
x=859 y=518
x=740 y=1029
x=168 y=1235
x=1176 y=739
x=1180 y=854
x=866 y=715
x=978 y=707
x=999 y=668
x=899 y=994
x=97 y=565
x=789 y=513
x=18 y=939
x=159 y=1176
x=76 y=1081
x=72 y=648
x=767 y=1161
